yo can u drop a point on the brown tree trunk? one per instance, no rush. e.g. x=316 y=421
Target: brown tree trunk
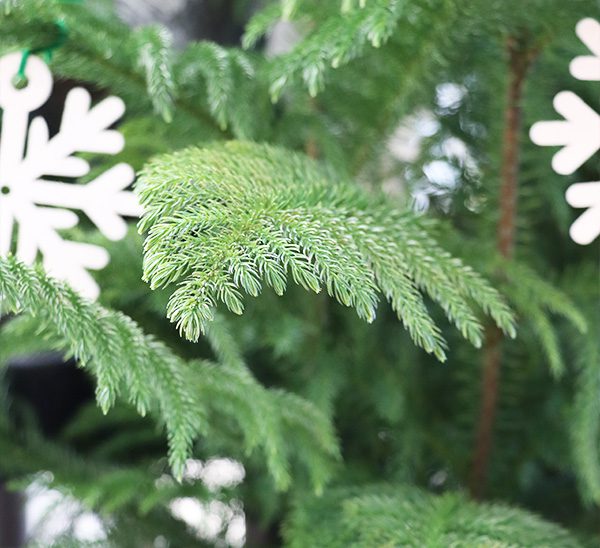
x=519 y=61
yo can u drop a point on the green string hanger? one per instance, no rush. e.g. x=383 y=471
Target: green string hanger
x=48 y=49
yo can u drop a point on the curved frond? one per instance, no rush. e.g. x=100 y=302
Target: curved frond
x=155 y=59
x=226 y=219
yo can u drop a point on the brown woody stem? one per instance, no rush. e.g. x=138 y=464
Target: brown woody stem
x=519 y=61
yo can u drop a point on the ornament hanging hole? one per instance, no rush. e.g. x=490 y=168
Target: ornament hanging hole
x=39 y=83
x=20 y=81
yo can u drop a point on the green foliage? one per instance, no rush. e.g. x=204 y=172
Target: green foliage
x=585 y=428
x=341 y=37
x=219 y=227
x=183 y=395
x=388 y=515
x=534 y=298
x=139 y=66
x=231 y=82
x=299 y=379
x=155 y=59
x=584 y=420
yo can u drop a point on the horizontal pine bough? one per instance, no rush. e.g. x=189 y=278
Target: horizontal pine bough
x=187 y=397
x=230 y=217
x=398 y=515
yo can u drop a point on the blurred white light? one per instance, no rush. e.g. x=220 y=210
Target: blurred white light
x=214 y=473
x=193 y=469
x=405 y=142
x=441 y=173
x=215 y=518
x=189 y=510
x=236 y=532
x=219 y=473
x=209 y=520
x=88 y=528
x=50 y=514
x=449 y=95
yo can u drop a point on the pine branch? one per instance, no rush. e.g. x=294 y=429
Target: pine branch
x=585 y=425
x=260 y=24
x=341 y=37
x=186 y=397
x=235 y=96
x=101 y=48
x=535 y=299
x=155 y=58
x=225 y=219
x=388 y=515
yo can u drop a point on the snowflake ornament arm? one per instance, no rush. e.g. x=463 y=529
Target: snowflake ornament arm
x=587 y=227
x=578 y=134
x=587 y=67
x=39 y=205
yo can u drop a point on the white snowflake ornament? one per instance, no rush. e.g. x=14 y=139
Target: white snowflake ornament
x=587 y=67
x=33 y=206
x=578 y=134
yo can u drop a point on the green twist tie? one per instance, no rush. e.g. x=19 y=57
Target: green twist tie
x=62 y=35
x=48 y=49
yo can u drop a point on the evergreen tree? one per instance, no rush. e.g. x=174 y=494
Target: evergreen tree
x=281 y=306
